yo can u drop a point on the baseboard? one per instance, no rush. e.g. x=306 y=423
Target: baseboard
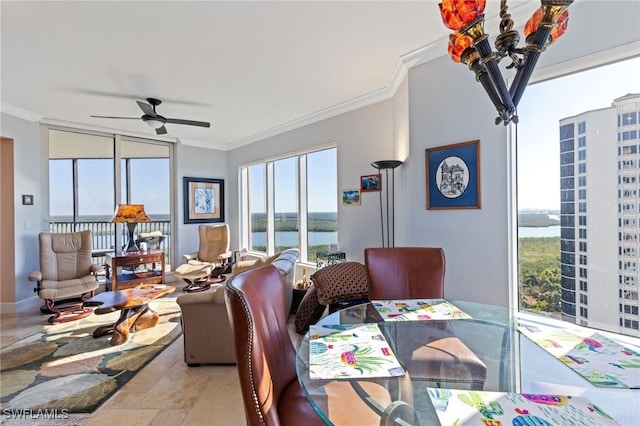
x=30 y=304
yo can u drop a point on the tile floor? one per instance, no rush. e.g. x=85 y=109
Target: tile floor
x=165 y=392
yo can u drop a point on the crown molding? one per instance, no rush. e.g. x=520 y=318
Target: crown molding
x=20 y=112
x=101 y=129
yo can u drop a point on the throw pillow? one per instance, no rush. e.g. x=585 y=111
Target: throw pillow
x=340 y=282
x=309 y=311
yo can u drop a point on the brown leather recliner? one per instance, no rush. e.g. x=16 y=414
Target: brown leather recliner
x=413 y=273
x=67 y=274
x=266 y=360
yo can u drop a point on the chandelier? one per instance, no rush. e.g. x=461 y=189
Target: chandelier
x=469 y=44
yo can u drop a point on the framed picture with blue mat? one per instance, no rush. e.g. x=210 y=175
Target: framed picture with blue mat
x=453 y=176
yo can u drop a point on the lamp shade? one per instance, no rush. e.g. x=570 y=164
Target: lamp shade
x=130 y=213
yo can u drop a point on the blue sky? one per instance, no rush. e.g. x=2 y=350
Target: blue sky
x=543 y=106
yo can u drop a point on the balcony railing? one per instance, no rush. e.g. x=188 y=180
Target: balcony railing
x=104 y=235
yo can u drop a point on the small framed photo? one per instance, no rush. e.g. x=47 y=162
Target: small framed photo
x=203 y=200
x=27 y=200
x=351 y=197
x=453 y=176
x=370 y=183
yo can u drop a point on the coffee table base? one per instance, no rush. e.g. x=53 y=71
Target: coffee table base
x=131 y=320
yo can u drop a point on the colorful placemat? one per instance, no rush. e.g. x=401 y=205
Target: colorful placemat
x=418 y=310
x=464 y=407
x=600 y=360
x=354 y=351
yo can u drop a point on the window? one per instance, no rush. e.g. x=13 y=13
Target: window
x=598 y=130
x=84 y=187
x=290 y=201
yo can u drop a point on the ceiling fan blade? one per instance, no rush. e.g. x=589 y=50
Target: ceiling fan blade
x=188 y=122
x=109 y=116
x=146 y=108
x=161 y=130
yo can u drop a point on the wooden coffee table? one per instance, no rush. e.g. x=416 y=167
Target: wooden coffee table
x=135 y=312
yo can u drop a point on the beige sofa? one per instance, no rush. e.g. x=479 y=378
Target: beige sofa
x=205 y=324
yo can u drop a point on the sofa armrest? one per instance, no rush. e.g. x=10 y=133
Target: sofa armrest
x=213 y=296
x=35 y=276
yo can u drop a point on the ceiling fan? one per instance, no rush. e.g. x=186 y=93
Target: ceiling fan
x=155 y=120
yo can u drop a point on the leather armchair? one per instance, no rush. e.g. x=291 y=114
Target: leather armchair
x=207 y=333
x=213 y=251
x=67 y=275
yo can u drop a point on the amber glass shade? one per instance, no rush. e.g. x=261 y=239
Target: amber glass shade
x=458 y=43
x=458 y=13
x=130 y=213
x=561 y=24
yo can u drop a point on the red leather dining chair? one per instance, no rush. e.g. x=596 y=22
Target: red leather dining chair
x=266 y=360
x=436 y=354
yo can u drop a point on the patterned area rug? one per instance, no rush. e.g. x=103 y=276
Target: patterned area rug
x=65 y=368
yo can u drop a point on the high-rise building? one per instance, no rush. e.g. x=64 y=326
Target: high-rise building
x=600 y=216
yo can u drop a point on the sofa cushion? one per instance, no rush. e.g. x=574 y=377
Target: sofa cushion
x=340 y=282
x=309 y=311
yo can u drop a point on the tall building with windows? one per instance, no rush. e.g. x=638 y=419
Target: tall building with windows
x=600 y=216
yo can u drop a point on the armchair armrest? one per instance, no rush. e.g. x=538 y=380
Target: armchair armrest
x=190 y=256
x=35 y=276
x=95 y=268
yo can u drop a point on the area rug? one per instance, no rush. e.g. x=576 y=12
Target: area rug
x=65 y=368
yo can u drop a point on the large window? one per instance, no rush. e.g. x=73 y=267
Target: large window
x=577 y=169
x=85 y=184
x=290 y=202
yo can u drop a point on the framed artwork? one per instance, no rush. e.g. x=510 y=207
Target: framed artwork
x=351 y=197
x=203 y=200
x=453 y=176
x=370 y=183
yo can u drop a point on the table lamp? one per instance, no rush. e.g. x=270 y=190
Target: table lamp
x=130 y=214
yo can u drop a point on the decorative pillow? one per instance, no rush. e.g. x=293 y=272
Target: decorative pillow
x=341 y=282
x=309 y=311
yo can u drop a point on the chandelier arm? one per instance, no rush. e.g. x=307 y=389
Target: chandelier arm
x=488 y=58
x=524 y=73
x=483 y=78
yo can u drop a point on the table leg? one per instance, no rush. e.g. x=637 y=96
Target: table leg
x=131 y=320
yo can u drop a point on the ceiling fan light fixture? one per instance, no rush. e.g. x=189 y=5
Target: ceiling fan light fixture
x=154 y=123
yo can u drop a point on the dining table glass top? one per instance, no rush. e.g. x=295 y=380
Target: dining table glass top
x=514 y=364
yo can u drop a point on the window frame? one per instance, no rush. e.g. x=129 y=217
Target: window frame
x=244 y=212
x=552 y=72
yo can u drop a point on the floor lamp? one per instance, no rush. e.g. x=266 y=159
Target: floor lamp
x=387 y=165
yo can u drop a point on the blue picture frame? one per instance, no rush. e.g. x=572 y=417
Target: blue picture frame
x=453 y=176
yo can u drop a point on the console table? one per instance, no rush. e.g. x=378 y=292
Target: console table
x=133 y=260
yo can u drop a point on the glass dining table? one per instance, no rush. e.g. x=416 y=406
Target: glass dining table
x=514 y=364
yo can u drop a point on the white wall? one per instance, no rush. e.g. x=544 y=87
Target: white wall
x=28 y=178
x=192 y=161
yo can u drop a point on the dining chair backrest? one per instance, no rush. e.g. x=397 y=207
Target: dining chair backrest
x=405 y=272
x=265 y=356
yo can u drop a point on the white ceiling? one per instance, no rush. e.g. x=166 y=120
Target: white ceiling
x=253 y=69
